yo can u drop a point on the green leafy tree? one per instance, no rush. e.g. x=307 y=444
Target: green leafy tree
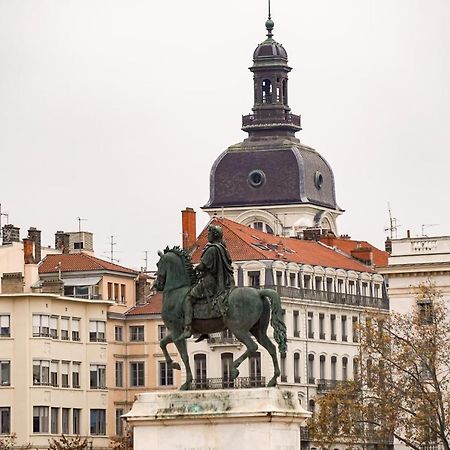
x=402 y=386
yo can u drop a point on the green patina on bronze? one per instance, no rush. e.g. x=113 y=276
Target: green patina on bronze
x=248 y=311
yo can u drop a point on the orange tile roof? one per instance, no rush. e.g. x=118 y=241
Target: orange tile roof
x=245 y=243
x=153 y=307
x=79 y=262
x=380 y=257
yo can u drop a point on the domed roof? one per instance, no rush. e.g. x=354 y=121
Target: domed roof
x=270 y=49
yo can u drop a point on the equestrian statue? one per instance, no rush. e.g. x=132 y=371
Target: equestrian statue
x=205 y=300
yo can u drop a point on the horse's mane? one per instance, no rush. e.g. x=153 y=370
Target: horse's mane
x=186 y=258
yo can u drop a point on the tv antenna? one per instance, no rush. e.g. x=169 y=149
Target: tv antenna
x=393 y=224
x=111 y=249
x=80 y=219
x=146 y=260
x=426 y=225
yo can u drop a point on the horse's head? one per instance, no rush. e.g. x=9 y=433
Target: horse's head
x=174 y=269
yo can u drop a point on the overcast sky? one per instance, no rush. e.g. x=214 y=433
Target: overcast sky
x=114 y=111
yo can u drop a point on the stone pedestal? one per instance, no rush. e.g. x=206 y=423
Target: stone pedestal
x=246 y=419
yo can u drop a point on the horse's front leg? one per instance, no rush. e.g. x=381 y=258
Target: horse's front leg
x=182 y=350
x=163 y=344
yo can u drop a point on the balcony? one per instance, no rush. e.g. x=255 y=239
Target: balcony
x=324 y=385
x=223 y=339
x=338 y=298
x=226 y=383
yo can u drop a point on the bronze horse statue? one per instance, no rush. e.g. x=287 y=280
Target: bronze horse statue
x=248 y=313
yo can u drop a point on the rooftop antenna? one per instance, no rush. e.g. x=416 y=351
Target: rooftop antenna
x=7 y=219
x=80 y=219
x=111 y=249
x=146 y=260
x=393 y=224
x=426 y=225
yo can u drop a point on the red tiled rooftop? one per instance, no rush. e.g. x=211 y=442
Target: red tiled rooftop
x=245 y=243
x=153 y=307
x=78 y=262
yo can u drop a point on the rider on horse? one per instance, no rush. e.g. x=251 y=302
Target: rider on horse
x=215 y=273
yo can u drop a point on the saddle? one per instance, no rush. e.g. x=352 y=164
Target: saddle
x=214 y=308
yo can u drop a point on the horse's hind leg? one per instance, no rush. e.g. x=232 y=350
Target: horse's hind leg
x=260 y=334
x=246 y=339
x=163 y=344
x=182 y=350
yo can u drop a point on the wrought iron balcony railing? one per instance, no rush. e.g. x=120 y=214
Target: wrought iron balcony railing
x=226 y=383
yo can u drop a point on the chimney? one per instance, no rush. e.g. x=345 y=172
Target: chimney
x=388 y=245
x=143 y=288
x=12 y=283
x=35 y=236
x=10 y=234
x=408 y=234
x=62 y=241
x=53 y=286
x=312 y=234
x=363 y=254
x=189 y=228
x=28 y=251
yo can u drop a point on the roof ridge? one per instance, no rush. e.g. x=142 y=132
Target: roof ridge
x=96 y=258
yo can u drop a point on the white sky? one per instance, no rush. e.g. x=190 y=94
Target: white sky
x=115 y=110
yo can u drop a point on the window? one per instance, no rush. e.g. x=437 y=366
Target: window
x=258 y=226
x=98 y=422
x=254 y=279
x=97 y=331
x=76 y=375
x=283 y=367
x=310 y=326
x=40 y=419
x=322 y=367
x=119 y=422
x=162 y=331
x=41 y=325
x=355 y=329
x=200 y=371
x=54 y=327
x=137 y=374
x=78 y=246
x=279 y=276
x=54 y=413
x=5 y=420
x=344 y=368
x=98 y=376
x=75 y=329
x=255 y=369
x=116 y=292
x=54 y=373
x=321 y=326
x=122 y=293
x=333 y=327
x=65 y=328
x=76 y=421
x=110 y=291
x=333 y=368
x=307 y=282
x=227 y=367
x=311 y=379
x=137 y=333
x=292 y=279
x=119 y=374
x=340 y=286
x=344 y=328
x=165 y=374
x=5 y=373
x=4 y=326
x=296 y=330
x=118 y=334
x=65 y=374
x=356 y=369
x=296 y=367
x=41 y=373
x=65 y=421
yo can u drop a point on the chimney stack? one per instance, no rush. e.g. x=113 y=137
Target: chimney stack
x=388 y=245
x=10 y=234
x=28 y=251
x=35 y=236
x=189 y=228
x=62 y=241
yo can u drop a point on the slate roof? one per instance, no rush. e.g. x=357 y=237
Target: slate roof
x=245 y=243
x=79 y=262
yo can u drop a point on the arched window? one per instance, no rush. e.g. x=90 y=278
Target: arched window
x=296 y=367
x=255 y=369
x=311 y=379
x=322 y=367
x=227 y=367
x=344 y=368
x=267 y=91
x=356 y=369
x=200 y=371
x=285 y=99
x=333 y=368
x=283 y=366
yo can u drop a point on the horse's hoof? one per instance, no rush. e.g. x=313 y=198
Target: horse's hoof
x=234 y=374
x=186 y=386
x=272 y=382
x=176 y=366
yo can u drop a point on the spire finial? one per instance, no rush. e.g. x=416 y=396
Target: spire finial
x=269 y=24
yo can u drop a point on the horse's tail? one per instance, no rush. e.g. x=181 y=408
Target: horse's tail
x=276 y=320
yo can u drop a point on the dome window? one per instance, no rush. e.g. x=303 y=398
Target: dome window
x=256 y=178
x=318 y=180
